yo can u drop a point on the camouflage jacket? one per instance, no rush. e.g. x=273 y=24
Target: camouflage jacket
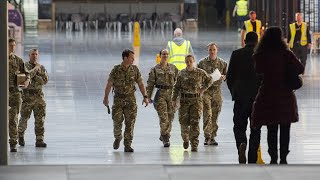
x=209 y=66
x=16 y=66
x=38 y=77
x=190 y=82
x=124 y=80
x=161 y=76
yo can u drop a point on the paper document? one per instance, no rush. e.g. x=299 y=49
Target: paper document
x=216 y=75
x=153 y=94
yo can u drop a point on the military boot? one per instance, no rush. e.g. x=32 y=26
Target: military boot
x=194 y=148
x=213 y=142
x=13 y=148
x=186 y=145
x=41 y=144
x=165 y=140
x=21 y=141
x=116 y=144
x=207 y=141
x=128 y=149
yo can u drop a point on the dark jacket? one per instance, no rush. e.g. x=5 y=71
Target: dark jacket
x=275 y=103
x=242 y=79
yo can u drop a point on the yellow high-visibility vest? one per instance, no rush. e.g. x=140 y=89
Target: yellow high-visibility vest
x=303 y=40
x=242 y=7
x=178 y=53
x=249 y=27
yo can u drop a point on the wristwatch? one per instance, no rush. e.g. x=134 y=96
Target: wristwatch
x=145 y=96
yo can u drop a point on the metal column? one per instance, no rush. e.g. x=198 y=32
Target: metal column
x=3 y=83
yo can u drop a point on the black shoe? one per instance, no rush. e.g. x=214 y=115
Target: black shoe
x=242 y=153
x=41 y=144
x=13 y=148
x=128 y=149
x=21 y=141
x=213 y=142
x=206 y=141
x=273 y=161
x=283 y=161
x=116 y=144
x=186 y=145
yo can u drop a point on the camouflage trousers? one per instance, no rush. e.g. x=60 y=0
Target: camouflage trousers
x=165 y=110
x=124 y=109
x=211 y=109
x=189 y=118
x=37 y=104
x=15 y=104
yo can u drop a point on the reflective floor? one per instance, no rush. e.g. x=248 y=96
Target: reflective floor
x=79 y=130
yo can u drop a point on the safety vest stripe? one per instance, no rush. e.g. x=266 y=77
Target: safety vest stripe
x=180 y=62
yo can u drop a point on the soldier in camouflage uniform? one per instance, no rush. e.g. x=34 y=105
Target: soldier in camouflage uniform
x=16 y=66
x=33 y=100
x=123 y=78
x=191 y=83
x=212 y=99
x=163 y=76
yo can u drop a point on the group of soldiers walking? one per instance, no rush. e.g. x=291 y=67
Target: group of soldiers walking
x=169 y=86
x=178 y=83
x=30 y=92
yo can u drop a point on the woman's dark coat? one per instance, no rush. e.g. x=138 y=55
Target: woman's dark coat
x=275 y=103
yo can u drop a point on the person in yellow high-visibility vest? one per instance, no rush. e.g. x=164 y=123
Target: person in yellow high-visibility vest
x=253 y=24
x=241 y=10
x=178 y=49
x=299 y=38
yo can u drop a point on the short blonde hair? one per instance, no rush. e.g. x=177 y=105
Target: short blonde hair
x=212 y=44
x=33 y=50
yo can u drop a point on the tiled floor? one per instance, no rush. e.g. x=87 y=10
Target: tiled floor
x=79 y=130
x=159 y=172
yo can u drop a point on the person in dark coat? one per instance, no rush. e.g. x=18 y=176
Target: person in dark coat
x=275 y=104
x=243 y=84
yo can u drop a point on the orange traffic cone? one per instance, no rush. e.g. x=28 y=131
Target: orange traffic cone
x=259 y=158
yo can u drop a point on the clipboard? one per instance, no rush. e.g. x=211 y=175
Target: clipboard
x=153 y=94
x=21 y=78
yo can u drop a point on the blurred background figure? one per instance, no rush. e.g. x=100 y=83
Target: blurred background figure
x=178 y=49
x=299 y=38
x=253 y=24
x=241 y=11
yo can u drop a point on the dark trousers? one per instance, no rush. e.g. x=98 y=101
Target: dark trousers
x=301 y=52
x=242 y=111
x=273 y=141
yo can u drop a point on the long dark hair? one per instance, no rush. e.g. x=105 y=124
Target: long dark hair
x=272 y=40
